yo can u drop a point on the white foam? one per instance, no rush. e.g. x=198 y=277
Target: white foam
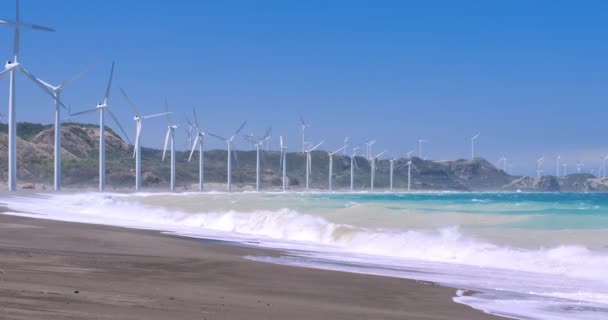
x=446 y=255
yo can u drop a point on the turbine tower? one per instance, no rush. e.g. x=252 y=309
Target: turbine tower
x=283 y=162
x=56 y=91
x=539 y=166
x=10 y=68
x=473 y=139
x=409 y=171
x=103 y=107
x=331 y=165
x=304 y=125
x=200 y=136
x=229 y=144
x=259 y=145
x=557 y=160
x=503 y=159
x=309 y=162
x=372 y=162
x=137 y=147
x=392 y=166
x=170 y=136
x=353 y=164
x=605 y=159
x=420 y=142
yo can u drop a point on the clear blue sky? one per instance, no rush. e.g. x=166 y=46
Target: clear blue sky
x=531 y=76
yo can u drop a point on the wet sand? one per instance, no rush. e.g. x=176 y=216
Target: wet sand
x=60 y=270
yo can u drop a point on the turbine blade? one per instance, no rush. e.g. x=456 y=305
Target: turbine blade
x=216 y=136
x=109 y=84
x=42 y=85
x=130 y=102
x=267 y=135
x=155 y=115
x=318 y=145
x=198 y=127
x=198 y=136
x=166 y=142
x=119 y=125
x=84 y=112
x=72 y=79
x=240 y=128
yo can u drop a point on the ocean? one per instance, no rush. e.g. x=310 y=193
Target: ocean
x=520 y=255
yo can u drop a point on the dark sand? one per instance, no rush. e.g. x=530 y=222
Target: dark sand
x=59 y=270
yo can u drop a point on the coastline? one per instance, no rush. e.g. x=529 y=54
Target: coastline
x=64 y=270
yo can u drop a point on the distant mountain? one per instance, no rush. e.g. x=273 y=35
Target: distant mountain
x=80 y=145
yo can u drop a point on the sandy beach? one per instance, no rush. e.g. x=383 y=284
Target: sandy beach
x=59 y=270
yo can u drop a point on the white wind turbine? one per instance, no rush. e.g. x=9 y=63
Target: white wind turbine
x=503 y=159
x=368 y=150
x=56 y=91
x=198 y=141
x=331 y=165
x=557 y=165
x=10 y=68
x=565 y=169
x=345 y=151
x=303 y=125
x=392 y=166
x=170 y=137
x=605 y=159
x=283 y=162
x=539 y=166
x=103 y=107
x=579 y=167
x=372 y=162
x=259 y=144
x=138 y=126
x=309 y=162
x=229 y=144
x=409 y=170
x=353 y=163
x=473 y=139
x=420 y=142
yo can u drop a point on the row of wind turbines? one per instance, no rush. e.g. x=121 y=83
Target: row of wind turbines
x=15 y=66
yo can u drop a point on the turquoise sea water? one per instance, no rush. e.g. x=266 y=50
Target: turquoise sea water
x=525 y=255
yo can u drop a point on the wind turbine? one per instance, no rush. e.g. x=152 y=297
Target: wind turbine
x=103 y=107
x=309 y=162
x=138 y=125
x=344 y=152
x=368 y=145
x=565 y=170
x=420 y=142
x=353 y=163
x=200 y=136
x=579 y=167
x=392 y=165
x=409 y=170
x=503 y=159
x=259 y=144
x=170 y=136
x=56 y=90
x=605 y=159
x=557 y=159
x=373 y=169
x=539 y=166
x=473 y=139
x=283 y=162
x=10 y=68
x=331 y=165
x=229 y=143
x=304 y=125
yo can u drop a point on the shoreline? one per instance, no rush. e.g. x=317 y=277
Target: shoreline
x=62 y=270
